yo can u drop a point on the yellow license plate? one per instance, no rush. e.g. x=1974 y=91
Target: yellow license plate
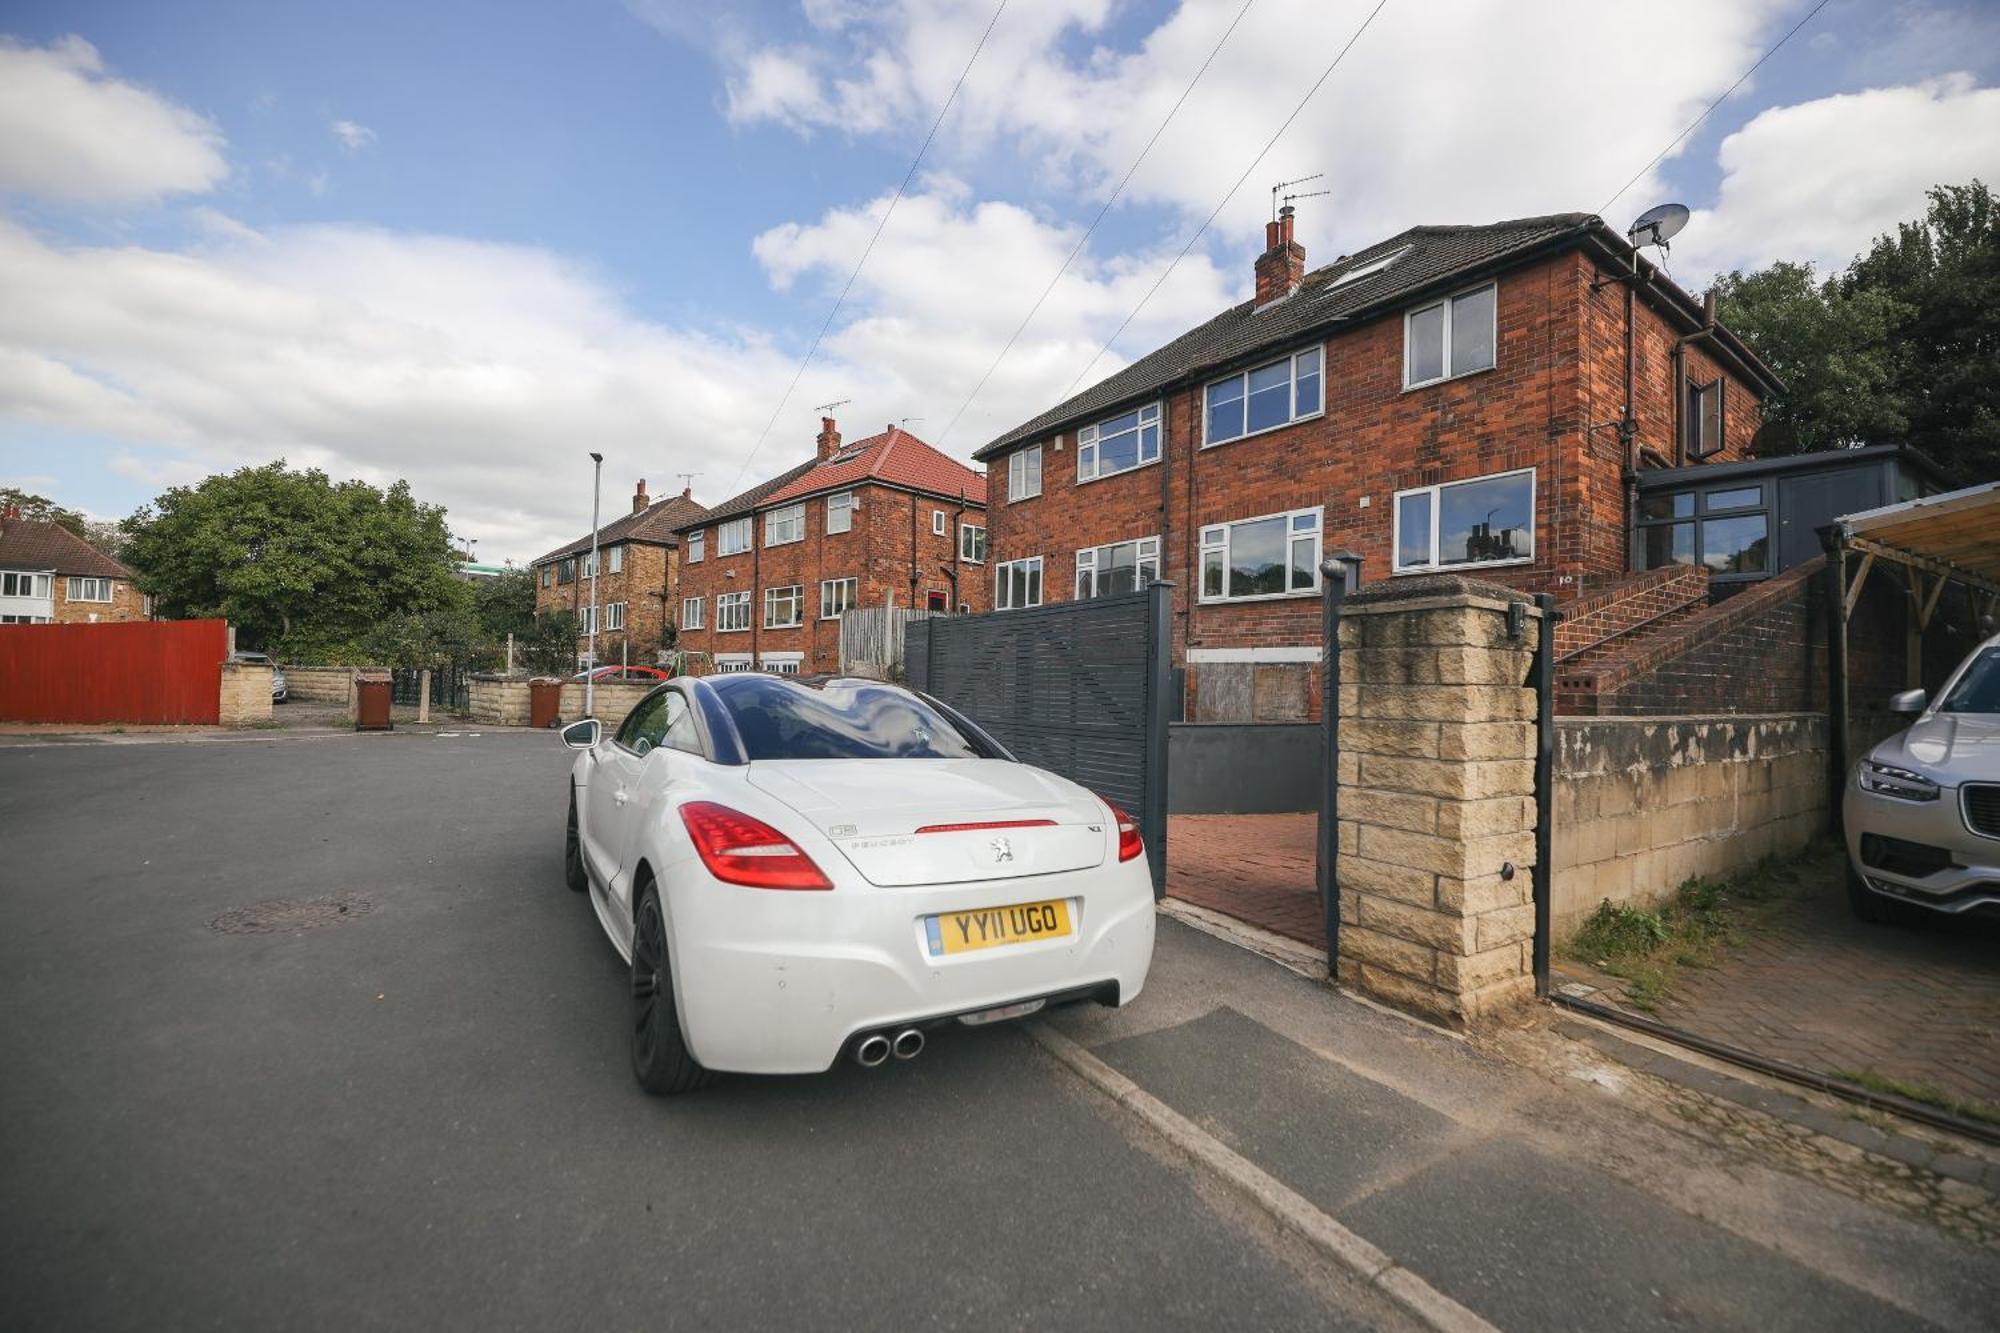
x=991 y=927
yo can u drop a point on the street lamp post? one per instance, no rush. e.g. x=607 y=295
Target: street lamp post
x=590 y=670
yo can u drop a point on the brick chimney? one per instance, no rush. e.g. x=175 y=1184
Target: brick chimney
x=1282 y=266
x=829 y=439
x=639 y=497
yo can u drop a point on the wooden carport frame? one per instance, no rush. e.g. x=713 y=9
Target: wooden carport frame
x=1935 y=541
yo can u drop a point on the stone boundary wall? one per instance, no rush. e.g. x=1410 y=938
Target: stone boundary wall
x=1643 y=804
x=498 y=701
x=1436 y=790
x=246 y=694
x=320 y=684
x=612 y=701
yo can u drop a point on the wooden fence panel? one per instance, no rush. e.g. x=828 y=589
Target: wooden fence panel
x=142 y=671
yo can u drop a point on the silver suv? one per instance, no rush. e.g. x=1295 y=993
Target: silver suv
x=1922 y=810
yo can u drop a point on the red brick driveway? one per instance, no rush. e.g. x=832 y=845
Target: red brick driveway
x=1257 y=868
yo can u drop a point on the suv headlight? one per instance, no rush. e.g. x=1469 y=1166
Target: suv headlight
x=1902 y=783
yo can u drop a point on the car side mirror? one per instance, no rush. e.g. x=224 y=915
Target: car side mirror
x=582 y=735
x=1909 y=701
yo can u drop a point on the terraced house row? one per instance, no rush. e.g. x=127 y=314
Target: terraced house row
x=1485 y=399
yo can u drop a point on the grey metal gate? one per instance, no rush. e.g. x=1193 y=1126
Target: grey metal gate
x=1083 y=689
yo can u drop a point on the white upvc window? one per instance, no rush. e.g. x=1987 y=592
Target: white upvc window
x=1118 y=444
x=1264 y=397
x=697 y=546
x=1254 y=559
x=586 y=619
x=726 y=663
x=1483 y=521
x=614 y=616
x=1452 y=337
x=23 y=585
x=690 y=613
x=89 y=589
x=548 y=575
x=782 y=664
x=25 y=620
x=840 y=511
x=732 y=612
x=1105 y=571
x=615 y=560
x=972 y=543
x=836 y=596
x=784 y=607
x=939 y=522
x=1017 y=583
x=1024 y=473
x=784 y=526
x=588 y=565
x=733 y=537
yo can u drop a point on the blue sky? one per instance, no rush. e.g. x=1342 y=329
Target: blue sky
x=467 y=243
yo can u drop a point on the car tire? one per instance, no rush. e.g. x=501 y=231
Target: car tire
x=661 y=1060
x=573 y=872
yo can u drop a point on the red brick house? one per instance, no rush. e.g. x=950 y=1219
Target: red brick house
x=49 y=575
x=885 y=521
x=1462 y=398
x=638 y=582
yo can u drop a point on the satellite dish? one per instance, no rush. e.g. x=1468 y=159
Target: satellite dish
x=1657 y=226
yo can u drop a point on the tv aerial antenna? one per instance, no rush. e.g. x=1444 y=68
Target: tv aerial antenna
x=1280 y=197
x=828 y=407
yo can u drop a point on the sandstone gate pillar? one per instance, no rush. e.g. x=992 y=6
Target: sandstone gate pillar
x=1436 y=782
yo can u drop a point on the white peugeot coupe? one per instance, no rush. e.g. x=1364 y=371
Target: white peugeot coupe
x=800 y=868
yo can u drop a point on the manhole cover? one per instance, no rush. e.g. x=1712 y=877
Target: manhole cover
x=290 y=914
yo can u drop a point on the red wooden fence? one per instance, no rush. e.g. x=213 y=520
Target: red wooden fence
x=144 y=671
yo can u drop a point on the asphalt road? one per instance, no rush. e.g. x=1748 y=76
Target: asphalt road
x=400 y=1098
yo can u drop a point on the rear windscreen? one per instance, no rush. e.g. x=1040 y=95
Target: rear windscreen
x=781 y=719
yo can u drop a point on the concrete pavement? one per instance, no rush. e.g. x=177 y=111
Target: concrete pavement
x=308 y=1032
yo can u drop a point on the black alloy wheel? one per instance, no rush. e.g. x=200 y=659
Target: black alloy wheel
x=660 y=1057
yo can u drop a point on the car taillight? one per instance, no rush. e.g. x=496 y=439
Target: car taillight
x=738 y=849
x=987 y=824
x=1129 y=842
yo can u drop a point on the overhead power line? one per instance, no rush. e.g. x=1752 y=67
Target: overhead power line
x=869 y=249
x=1221 y=203
x=1695 y=124
x=1084 y=239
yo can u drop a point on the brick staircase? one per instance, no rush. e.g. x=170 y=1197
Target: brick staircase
x=1654 y=644
x=1627 y=621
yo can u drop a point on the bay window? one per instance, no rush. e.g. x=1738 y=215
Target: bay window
x=1264 y=398
x=1274 y=555
x=1106 y=571
x=1119 y=444
x=1485 y=521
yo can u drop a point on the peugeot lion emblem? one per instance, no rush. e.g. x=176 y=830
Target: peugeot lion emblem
x=1002 y=851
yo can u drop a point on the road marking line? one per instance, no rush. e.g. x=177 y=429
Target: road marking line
x=1286 y=1206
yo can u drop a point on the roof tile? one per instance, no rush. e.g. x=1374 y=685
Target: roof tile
x=27 y=543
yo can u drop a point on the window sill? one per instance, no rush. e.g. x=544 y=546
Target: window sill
x=1447 y=379
x=1023 y=499
x=1121 y=472
x=789 y=541
x=742 y=629
x=1462 y=565
x=1207 y=443
x=1260 y=597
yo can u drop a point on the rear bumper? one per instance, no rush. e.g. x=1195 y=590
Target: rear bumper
x=780 y=983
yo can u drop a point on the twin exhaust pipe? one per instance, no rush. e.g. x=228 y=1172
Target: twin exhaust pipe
x=877 y=1047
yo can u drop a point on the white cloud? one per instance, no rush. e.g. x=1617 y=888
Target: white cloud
x=351 y=136
x=780 y=86
x=71 y=132
x=485 y=372
x=1820 y=180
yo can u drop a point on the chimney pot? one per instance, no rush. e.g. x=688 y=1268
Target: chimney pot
x=639 y=499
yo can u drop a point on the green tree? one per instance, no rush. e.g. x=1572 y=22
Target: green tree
x=1902 y=347
x=302 y=565
x=1832 y=349
x=505 y=604
x=41 y=509
x=549 y=648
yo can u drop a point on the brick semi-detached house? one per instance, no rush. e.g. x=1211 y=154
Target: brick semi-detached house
x=638 y=586
x=1452 y=399
x=49 y=575
x=885 y=521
